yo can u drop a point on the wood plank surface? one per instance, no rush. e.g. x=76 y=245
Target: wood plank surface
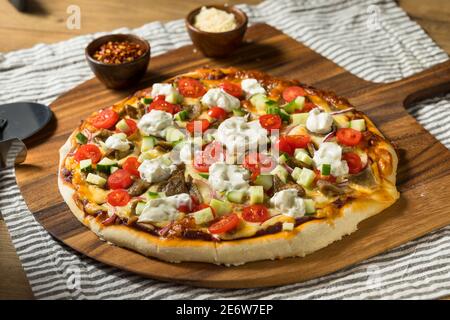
x=46 y=23
x=423 y=177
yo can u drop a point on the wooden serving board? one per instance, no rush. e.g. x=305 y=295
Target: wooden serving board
x=423 y=174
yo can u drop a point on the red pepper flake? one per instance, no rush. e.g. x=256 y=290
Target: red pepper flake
x=117 y=52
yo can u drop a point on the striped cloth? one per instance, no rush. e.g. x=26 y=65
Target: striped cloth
x=373 y=39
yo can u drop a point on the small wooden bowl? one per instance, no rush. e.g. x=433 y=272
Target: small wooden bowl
x=118 y=76
x=217 y=44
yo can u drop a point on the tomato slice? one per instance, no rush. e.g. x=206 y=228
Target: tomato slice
x=184 y=208
x=348 y=136
x=191 y=88
x=290 y=93
x=298 y=141
x=120 y=179
x=132 y=127
x=283 y=145
x=353 y=161
x=131 y=165
x=319 y=176
x=257 y=163
x=212 y=153
x=255 y=213
x=105 y=119
x=270 y=121
x=232 y=88
x=199 y=163
x=225 y=224
x=308 y=107
x=118 y=198
x=161 y=104
x=88 y=151
x=217 y=113
x=201 y=124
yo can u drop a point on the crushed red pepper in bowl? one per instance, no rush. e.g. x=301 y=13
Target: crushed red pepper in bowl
x=118 y=52
x=118 y=60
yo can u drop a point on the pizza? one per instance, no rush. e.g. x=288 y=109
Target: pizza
x=227 y=166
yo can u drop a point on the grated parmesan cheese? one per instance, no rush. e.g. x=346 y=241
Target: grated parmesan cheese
x=214 y=20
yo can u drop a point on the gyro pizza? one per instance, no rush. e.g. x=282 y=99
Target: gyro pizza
x=227 y=166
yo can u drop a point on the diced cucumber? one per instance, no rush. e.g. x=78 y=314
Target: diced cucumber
x=300 y=150
x=296 y=104
x=306 y=177
x=146 y=100
x=221 y=207
x=284 y=115
x=303 y=157
x=310 y=206
x=236 y=196
x=140 y=207
x=325 y=169
x=114 y=169
x=256 y=194
x=174 y=98
x=281 y=172
x=264 y=180
x=203 y=216
x=288 y=226
x=173 y=134
x=272 y=108
x=122 y=126
x=183 y=115
x=259 y=101
x=299 y=118
x=86 y=165
x=155 y=195
x=147 y=143
x=81 y=138
x=95 y=179
x=296 y=173
x=239 y=112
x=358 y=124
x=283 y=158
x=105 y=165
x=204 y=175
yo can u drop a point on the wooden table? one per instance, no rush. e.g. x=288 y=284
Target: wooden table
x=46 y=23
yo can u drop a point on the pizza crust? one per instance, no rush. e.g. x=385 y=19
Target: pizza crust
x=306 y=238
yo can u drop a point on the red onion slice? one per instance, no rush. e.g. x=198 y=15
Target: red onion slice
x=342 y=111
x=288 y=168
x=329 y=136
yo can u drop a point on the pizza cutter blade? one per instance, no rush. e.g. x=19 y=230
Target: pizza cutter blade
x=19 y=121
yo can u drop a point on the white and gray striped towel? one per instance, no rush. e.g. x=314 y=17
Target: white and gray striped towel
x=375 y=40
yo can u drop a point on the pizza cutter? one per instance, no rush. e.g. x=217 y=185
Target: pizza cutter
x=19 y=121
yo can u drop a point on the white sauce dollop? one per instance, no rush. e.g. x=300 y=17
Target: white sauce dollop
x=228 y=177
x=236 y=133
x=156 y=170
x=155 y=123
x=319 y=122
x=214 y=20
x=164 y=89
x=218 y=98
x=164 y=209
x=251 y=87
x=331 y=153
x=289 y=203
x=118 y=141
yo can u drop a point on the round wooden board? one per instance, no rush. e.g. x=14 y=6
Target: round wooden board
x=423 y=176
